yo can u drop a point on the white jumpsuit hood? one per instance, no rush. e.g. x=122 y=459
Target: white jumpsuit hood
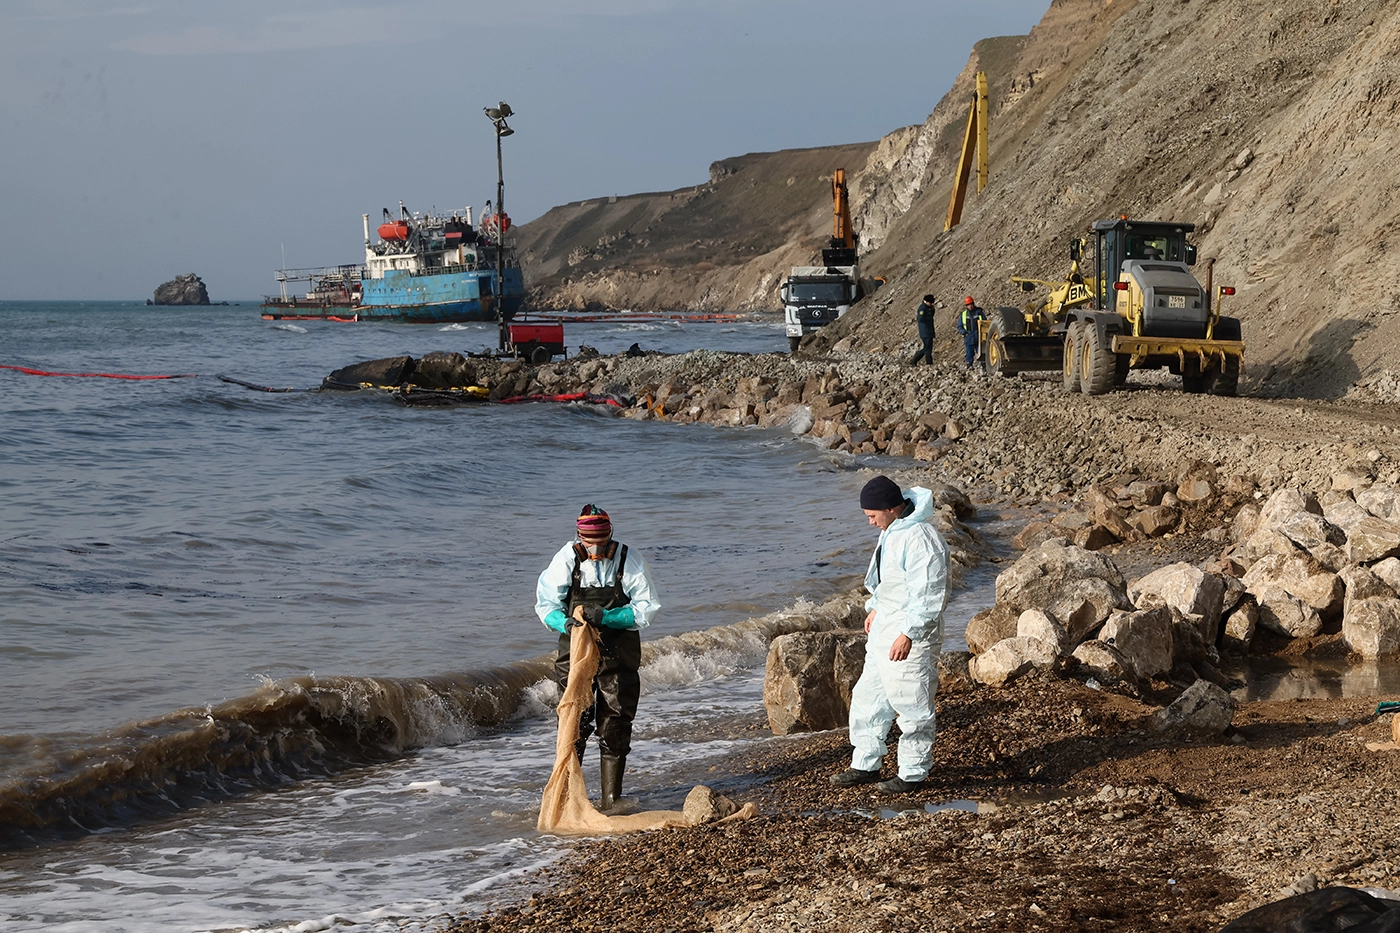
x=908 y=584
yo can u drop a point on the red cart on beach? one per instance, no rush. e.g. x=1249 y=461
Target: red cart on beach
x=537 y=343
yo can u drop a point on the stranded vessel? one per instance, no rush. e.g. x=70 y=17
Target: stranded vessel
x=424 y=268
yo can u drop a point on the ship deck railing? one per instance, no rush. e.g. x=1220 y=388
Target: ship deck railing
x=349 y=273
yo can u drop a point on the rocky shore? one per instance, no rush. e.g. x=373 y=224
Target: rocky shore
x=1176 y=537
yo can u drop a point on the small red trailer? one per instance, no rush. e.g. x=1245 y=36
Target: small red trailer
x=537 y=343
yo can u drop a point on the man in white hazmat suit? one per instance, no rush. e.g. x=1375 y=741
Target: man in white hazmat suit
x=908 y=584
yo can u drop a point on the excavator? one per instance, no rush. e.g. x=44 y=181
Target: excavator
x=1129 y=302
x=814 y=296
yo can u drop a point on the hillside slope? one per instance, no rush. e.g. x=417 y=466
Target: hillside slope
x=719 y=246
x=1270 y=125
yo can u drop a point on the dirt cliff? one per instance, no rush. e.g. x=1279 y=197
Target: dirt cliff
x=721 y=246
x=1269 y=125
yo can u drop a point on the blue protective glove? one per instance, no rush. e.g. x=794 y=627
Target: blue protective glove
x=621 y=617
x=557 y=621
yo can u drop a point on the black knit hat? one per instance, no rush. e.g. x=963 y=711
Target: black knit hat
x=881 y=493
x=929 y=299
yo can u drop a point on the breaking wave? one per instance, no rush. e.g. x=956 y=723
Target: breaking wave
x=300 y=727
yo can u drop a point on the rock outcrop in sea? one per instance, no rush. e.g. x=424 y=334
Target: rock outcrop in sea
x=182 y=290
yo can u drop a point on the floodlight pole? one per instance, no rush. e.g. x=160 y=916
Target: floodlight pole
x=500 y=243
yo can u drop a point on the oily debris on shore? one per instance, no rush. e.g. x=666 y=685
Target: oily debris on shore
x=1086 y=820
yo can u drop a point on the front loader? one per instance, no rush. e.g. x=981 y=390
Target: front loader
x=1138 y=307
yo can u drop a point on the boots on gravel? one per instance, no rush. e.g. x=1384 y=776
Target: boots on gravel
x=897 y=785
x=852 y=776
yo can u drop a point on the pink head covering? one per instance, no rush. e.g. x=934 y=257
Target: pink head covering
x=593 y=524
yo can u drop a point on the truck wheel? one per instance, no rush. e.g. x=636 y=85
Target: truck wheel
x=1227 y=380
x=1120 y=369
x=1074 y=335
x=1097 y=362
x=1192 y=379
x=793 y=344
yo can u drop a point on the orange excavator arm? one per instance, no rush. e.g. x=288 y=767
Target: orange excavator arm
x=841 y=232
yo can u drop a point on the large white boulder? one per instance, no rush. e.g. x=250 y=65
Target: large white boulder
x=808 y=682
x=1372 y=539
x=1010 y=658
x=1103 y=660
x=1371 y=627
x=1185 y=588
x=1143 y=638
x=1280 y=611
x=1371 y=619
x=1282 y=508
x=1380 y=501
x=1302 y=576
x=1061 y=579
x=1344 y=513
x=1037 y=623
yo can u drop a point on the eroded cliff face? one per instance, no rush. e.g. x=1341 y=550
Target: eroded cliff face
x=1269 y=125
x=721 y=246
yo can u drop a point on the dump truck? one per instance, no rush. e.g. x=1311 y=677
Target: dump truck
x=814 y=296
x=1129 y=302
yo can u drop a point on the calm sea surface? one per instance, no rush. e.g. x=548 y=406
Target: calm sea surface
x=172 y=552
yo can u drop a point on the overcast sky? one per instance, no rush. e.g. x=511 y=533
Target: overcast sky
x=142 y=140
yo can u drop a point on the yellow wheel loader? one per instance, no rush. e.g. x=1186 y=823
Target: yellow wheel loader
x=1137 y=307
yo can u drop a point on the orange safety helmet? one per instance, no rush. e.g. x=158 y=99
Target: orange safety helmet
x=968 y=300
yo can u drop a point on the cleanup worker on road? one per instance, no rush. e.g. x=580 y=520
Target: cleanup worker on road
x=908 y=584
x=923 y=316
x=595 y=580
x=967 y=326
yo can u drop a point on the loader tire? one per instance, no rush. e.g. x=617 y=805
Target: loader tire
x=1227 y=380
x=1121 y=365
x=1006 y=322
x=1097 y=362
x=794 y=343
x=1074 y=336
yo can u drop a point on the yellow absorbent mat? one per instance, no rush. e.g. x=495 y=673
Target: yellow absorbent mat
x=565 y=808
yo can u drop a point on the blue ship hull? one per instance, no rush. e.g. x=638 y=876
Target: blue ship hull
x=452 y=297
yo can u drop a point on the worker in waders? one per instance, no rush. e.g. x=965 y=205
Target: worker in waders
x=595 y=580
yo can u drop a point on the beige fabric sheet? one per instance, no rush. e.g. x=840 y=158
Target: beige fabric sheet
x=565 y=808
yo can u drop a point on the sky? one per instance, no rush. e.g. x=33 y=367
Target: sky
x=143 y=140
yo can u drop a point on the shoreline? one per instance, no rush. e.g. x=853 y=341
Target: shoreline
x=1086 y=818
x=1104 y=823
x=1055 y=808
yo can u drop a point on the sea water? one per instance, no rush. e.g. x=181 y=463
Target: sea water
x=192 y=574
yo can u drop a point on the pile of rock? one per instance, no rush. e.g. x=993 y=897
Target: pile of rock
x=1295 y=567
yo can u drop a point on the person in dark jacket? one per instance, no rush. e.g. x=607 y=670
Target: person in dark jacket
x=923 y=314
x=967 y=326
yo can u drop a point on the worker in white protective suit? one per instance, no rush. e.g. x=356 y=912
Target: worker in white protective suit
x=908 y=584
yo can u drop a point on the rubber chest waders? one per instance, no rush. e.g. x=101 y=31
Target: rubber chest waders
x=617 y=686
